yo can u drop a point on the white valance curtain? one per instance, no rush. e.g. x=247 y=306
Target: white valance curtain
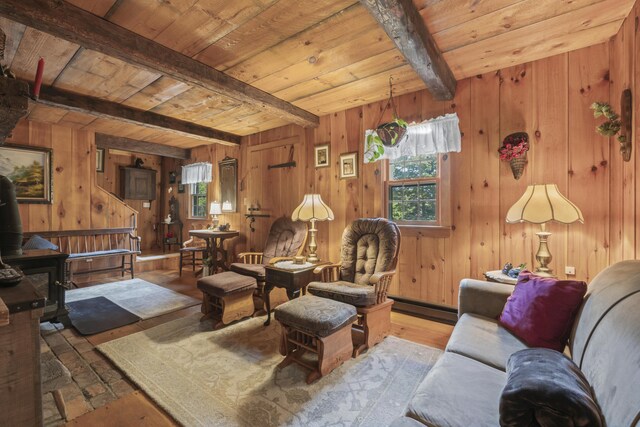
x=196 y=172
x=438 y=135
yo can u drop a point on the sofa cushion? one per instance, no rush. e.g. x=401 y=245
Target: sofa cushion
x=607 y=289
x=611 y=362
x=350 y=293
x=544 y=387
x=226 y=283
x=39 y=242
x=458 y=392
x=541 y=310
x=484 y=340
x=315 y=316
x=99 y=253
x=253 y=270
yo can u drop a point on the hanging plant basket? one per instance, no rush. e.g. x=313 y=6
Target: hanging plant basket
x=517 y=166
x=392 y=133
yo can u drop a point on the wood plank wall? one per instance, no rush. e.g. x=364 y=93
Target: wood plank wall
x=78 y=202
x=549 y=99
x=110 y=181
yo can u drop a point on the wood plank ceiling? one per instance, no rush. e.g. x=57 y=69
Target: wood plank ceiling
x=323 y=55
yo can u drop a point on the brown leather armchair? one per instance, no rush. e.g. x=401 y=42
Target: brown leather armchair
x=286 y=239
x=369 y=255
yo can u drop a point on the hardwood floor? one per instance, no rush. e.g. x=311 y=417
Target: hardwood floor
x=137 y=409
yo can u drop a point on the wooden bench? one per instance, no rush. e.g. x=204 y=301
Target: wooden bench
x=86 y=246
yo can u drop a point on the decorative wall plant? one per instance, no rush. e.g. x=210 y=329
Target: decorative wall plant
x=514 y=150
x=615 y=124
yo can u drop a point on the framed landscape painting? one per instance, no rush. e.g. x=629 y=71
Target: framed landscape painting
x=29 y=168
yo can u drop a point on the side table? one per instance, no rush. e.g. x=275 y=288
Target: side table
x=499 y=277
x=294 y=281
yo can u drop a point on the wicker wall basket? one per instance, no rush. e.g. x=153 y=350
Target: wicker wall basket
x=517 y=166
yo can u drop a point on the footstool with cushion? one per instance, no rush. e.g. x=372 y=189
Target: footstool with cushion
x=227 y=297
x=317 y=325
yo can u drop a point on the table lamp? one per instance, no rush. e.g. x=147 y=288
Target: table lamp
x=214 y=210
x=312 y=209
x=540 y=204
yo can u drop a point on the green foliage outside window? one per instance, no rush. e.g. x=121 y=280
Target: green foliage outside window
x=199 y=200
x=414 y=194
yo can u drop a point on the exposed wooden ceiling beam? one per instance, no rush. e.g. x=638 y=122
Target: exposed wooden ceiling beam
x=404 y=25
x=76 y=25
x=13 y=105
x=106 y=109
x=137 y=146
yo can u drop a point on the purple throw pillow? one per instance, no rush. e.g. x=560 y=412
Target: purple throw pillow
x=541 y=310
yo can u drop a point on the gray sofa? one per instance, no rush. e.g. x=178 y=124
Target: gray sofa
x=464 y=387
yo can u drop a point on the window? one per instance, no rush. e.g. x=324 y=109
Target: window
x=198 y=200
x=413 y=190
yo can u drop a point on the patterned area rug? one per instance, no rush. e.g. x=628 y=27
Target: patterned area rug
x=229 y=377
x=140 y=297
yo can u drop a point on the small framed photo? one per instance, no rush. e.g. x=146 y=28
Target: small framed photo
x=322 y=155
x=180 y=186
x=100 y=160
x=349 y=165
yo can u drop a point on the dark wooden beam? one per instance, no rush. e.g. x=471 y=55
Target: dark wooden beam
x=13 y=105
x=404 y=25
x=76 y=25
x=106 y=109
x=127 y=144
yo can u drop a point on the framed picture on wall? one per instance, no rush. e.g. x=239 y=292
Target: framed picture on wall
x=180 y=186
x=349 y=165
x=100 y=160
x=29 y=168
x=322 y=155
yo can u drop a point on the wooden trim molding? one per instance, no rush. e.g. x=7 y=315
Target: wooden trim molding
x=403 y=24
x=66 y=21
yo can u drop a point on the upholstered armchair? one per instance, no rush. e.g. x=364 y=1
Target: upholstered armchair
x=369 y=255
x=286 y=239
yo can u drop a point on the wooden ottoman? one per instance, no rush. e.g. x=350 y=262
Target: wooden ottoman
x=227 y=297
x=318 y=325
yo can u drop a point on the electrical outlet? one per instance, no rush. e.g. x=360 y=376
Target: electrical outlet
x=570 y=271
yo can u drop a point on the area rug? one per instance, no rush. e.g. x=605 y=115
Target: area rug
x=94 y=315
x=140 y=297
x=229 y=377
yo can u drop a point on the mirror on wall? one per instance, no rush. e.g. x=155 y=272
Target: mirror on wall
x=228 y=183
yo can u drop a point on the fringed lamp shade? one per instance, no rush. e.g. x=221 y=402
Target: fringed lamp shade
x=538 y=205
x=312 y=208
x=543 y=203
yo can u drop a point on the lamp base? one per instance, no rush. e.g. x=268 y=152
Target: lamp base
x=543 y=256
x=312 y=256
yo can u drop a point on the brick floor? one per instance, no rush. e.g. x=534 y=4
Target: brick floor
x=95 y=381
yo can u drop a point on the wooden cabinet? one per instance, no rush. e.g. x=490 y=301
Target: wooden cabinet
x=137 y=183
x=21 y=402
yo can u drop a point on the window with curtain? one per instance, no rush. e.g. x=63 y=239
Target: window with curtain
x=413 y=189
x=198 y=192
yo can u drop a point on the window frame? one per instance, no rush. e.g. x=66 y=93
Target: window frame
x=191 y=201
x=443 y=197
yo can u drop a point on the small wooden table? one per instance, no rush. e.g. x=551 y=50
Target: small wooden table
x=294 y=281
x=499 y=277
x=215 y=247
